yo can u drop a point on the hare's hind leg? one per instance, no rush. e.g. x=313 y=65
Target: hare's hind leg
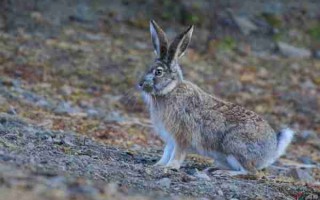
x=226 y=165
x=167 y=152
x=235 y=167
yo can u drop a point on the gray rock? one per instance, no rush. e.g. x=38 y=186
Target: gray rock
x=43 y=104
x=114 y=116
x=57 y=181
x=64 y=108
x=164 y=182
x=66 y=90
x=5 y=158
x=12 y=111
x=306 y=135
x=306 y=160
x=308 y=84
x=300 y=174
x=316 y=54
x=290 y=51
x=201 y=175
x=68 y=140
x=245 y=25
x=92 y=113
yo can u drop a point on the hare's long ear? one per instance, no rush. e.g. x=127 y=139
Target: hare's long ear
x=179 y=45
x=159 y=39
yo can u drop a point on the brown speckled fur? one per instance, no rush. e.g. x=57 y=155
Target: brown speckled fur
x=190 y=120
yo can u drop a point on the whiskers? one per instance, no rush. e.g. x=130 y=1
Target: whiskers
x=133 y=99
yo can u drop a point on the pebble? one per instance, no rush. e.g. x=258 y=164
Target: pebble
x=306 y=160
x=164 y=182
x=317 y=54
x=290 y=51
x=92 y=113
x=300 y=174
x=306 y=135
x=64 y=108
x=12 y=111
x=220 y=193
x=201 y=175
x=68 y=140
x=246 y=26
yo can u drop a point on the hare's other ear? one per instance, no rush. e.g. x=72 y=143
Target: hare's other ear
x=159 y=39
x=179 y=45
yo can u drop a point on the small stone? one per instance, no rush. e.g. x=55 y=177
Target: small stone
x=187 y=178
x=11 y=137
x=316 y=54
x=164 y=182
x=220 y=193
x=245 y=25
x=66 y=90
x=306 y=160
x=30 y=145
x=308 y=84
x=64 y=108
x=68 y=140
x=92 y=113
x=43 y=103
x=306 y=135
x=263 y=73
x=290 y=51
x=201 y=175
x=148 y=171
x=57 y=141
x=5 y=158
x=12 y=111
x=300 y=174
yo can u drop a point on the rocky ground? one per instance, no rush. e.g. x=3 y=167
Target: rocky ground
x=73 y=126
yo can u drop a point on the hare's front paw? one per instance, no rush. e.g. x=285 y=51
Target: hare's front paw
x=160 y=163
x=166 y=155
x=174 y=164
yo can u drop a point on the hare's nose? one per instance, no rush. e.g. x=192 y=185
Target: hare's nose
x=141 y=83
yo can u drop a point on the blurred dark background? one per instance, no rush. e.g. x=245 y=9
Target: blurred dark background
x=258 y=23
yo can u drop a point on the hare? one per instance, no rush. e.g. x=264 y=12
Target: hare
x=190 y=120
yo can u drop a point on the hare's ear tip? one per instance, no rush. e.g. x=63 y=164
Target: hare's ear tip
x=152 y=22
x=191 y=27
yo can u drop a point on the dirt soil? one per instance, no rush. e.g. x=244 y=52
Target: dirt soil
x=73 y=125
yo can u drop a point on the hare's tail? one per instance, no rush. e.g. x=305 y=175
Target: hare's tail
x=284 y=138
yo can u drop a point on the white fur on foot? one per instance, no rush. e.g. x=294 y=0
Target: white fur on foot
x=166 y=154
x=234 y=163
x=174 y=164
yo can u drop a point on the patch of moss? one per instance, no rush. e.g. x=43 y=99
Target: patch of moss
x=170 y=10
x=277 y=37
x=6 y=144
x=273 y=20
x=314 y=32
x=227 y=44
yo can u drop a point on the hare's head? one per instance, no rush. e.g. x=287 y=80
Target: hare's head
x=164 y=73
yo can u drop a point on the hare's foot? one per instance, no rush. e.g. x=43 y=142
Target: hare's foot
x=167 y=152
x=177 y=157
x=174 y=164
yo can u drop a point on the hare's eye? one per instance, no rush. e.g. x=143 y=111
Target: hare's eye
x=158 y=72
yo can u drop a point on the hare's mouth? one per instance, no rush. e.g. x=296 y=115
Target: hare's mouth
x=147 y=87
